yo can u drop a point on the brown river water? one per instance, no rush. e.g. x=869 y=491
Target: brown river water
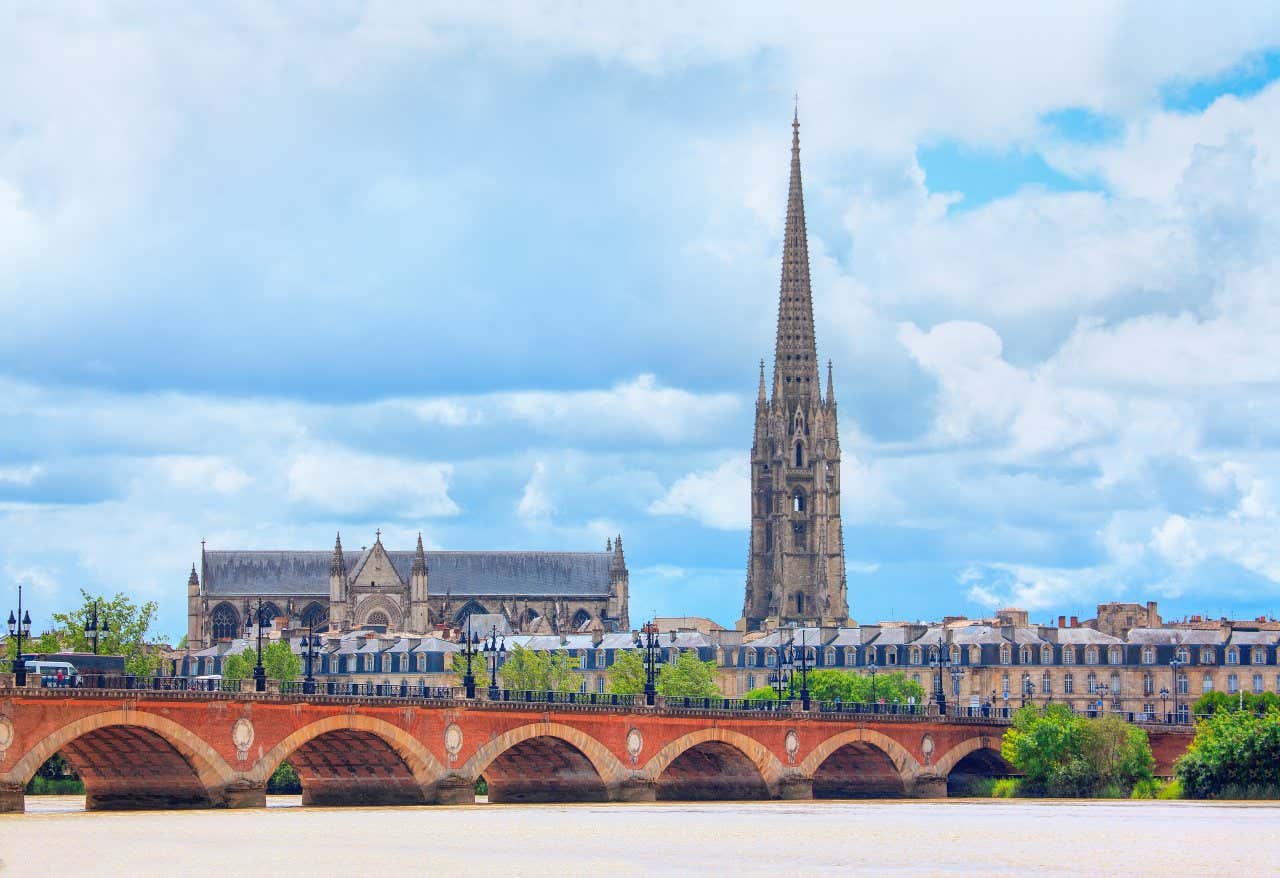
x=958 y=837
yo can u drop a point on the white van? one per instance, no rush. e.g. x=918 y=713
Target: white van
x=48 y=671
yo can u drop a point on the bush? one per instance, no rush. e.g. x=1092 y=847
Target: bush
x=1171 y=790
x=1235 y=754
x=284 y=781
x=1063 y=754
x=55 y=786
x=1006 y=788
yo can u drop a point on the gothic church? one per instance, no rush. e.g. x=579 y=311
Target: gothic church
x=795 y=572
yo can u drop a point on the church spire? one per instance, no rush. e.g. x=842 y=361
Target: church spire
x=760 y=397
x=419 y=558
x=336 y=565
x=831 y=386
x=795 y=365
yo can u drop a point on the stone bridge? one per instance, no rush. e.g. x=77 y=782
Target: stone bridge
x=142 y=749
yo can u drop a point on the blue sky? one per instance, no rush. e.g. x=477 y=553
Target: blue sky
x=503 y=276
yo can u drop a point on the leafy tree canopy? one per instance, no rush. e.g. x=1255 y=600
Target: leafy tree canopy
x=1061 y=753
x=128 y=625
x=626 y=674
x=1212 y=702
x=688 y=676
x=1235 y=754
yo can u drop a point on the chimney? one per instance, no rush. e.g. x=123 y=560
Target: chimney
x=1075 y=622
x=1062 y=621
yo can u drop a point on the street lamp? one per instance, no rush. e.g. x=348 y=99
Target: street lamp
x=1102 y=690
x=1164 y=702
x=1174 y=666
x=957 y=672
x=938 y=661
x=649 y=643
x=259 y=672
x=804 y=670
x=495 y=651
x=312 y=643
x=871 y=669
x=19 y=627
x=782 y=677
x=469 y=642
x=91 y=627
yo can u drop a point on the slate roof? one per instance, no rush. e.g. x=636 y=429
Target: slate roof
x=461 y=574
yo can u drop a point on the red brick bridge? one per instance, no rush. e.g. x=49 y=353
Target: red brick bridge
x=144 y=749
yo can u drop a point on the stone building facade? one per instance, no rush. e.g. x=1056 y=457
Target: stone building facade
x=795 y=571
x=415 y=592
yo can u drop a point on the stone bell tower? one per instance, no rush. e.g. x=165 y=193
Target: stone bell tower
x=795 y=572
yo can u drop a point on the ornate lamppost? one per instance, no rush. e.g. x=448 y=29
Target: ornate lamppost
x=939 y=660
x=647 y=639
x=957 y=672
x=259 y=671
x=495 y=651
x=804 y=670
x=469 y=642
x=91 y=627
x=871 y=669
x=19 y=628
x=782 y=674
x=1175 y=665
x=312 y=643
x=1164 y=703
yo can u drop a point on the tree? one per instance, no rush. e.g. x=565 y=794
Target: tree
x=1212 y=702
x=851 y=687
x=1235 y=754
x=527 y=670
x=239 y=667
x=688 y=676
x=127 y=627
x=281 y=662
x=627 y=676
x=1061 y=753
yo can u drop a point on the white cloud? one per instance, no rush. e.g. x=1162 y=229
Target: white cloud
x=21 y=475
x=343 y=482
x=194 y=473
x=718 y=498
x=535 y=503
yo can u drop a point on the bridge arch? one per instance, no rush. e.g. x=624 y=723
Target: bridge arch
x=130 y=759
x=859 y=763
x=352 y=759
x=714 y=763
x=545 y=762
x=977 y=757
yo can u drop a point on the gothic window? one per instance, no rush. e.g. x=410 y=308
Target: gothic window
x=470 y=608
x=797 y=501
x=799 y=454
x=315 y=616
x=270 y=612
x=768 y=503
x=799 y=538
x=768 y=537
x=580 y=618
x=226 y=622
x=799 y=599
x=378 y=618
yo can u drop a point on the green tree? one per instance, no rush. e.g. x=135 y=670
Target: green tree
x=284 y=781
x=1063 y=754
x=239 y=667
x=626 y=675
x=281 y=662
x=1235 y=754
x=1212 y=702
x=459 y=667
x=526 y=669
x=128 y=625
x=850 y=687
x=560 y=672
x=688 y=676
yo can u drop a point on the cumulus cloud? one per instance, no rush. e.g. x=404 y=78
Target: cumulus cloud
x=338 y=481
x=718 y=498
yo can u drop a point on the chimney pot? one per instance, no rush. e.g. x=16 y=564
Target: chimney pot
x=1075 y=621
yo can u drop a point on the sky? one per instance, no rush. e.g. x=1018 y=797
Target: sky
x=503 y=276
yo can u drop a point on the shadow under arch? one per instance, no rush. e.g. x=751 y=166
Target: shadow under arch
x=545 y=762
x=352 y=759
x=133 y=760
x=714 y=764
x=859 y=764
x=972 y=760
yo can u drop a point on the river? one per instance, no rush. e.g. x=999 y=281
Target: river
x=958 y=837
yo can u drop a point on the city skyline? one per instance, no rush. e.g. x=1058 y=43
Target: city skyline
x=510 y=286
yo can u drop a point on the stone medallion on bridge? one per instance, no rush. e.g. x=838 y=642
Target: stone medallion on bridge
x=792 y=744
x=6 y=734
x=453 y=740
x=242 y=737
x=635 y=743
x=926 y=747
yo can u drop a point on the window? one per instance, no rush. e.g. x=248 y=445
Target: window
x=891 y=656
x=799 y=454
x=916 y=655
x=1006 y=654
x=751 y=682
x=377 y=618
x=829 y=657
x=797 y=501
x=422 y=663
x=1046 y=684
x=226 y=622
x=1257 y=684
x=1148 y=655
x=386 y=664
x=1025 y=655
x=1068 y=655
x=1068 y=684
x=1184 y=684
x=768 y=537
x=1148 y=684
x=850 y=656
x=1004 y=687
x=811 y=656
x=955 y=686
x=915 y=678
x=1207 y=682
x=1093 y=683
x=1233 y=683
x=975 y=655
x=582 y=687
x=1091 y=655
x=1206 y=655
x=602 y=659
x=1233 y=655
x=955 y=654
x=315 y=616
x=1115 y=685
x=1259 y=656
x=1046 y=655
x=600 y=685
x=799 y=539
x=580 y=619
x=770 y=659
x=1115 y=655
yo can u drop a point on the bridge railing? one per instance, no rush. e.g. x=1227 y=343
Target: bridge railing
x=370 y=690
x=525 y=696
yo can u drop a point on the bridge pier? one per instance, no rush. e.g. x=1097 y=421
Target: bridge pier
x=634 y=789
x=454 y=789
x=240 y=793
x=927 y=786
x=13 y=798
x=795 y=787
